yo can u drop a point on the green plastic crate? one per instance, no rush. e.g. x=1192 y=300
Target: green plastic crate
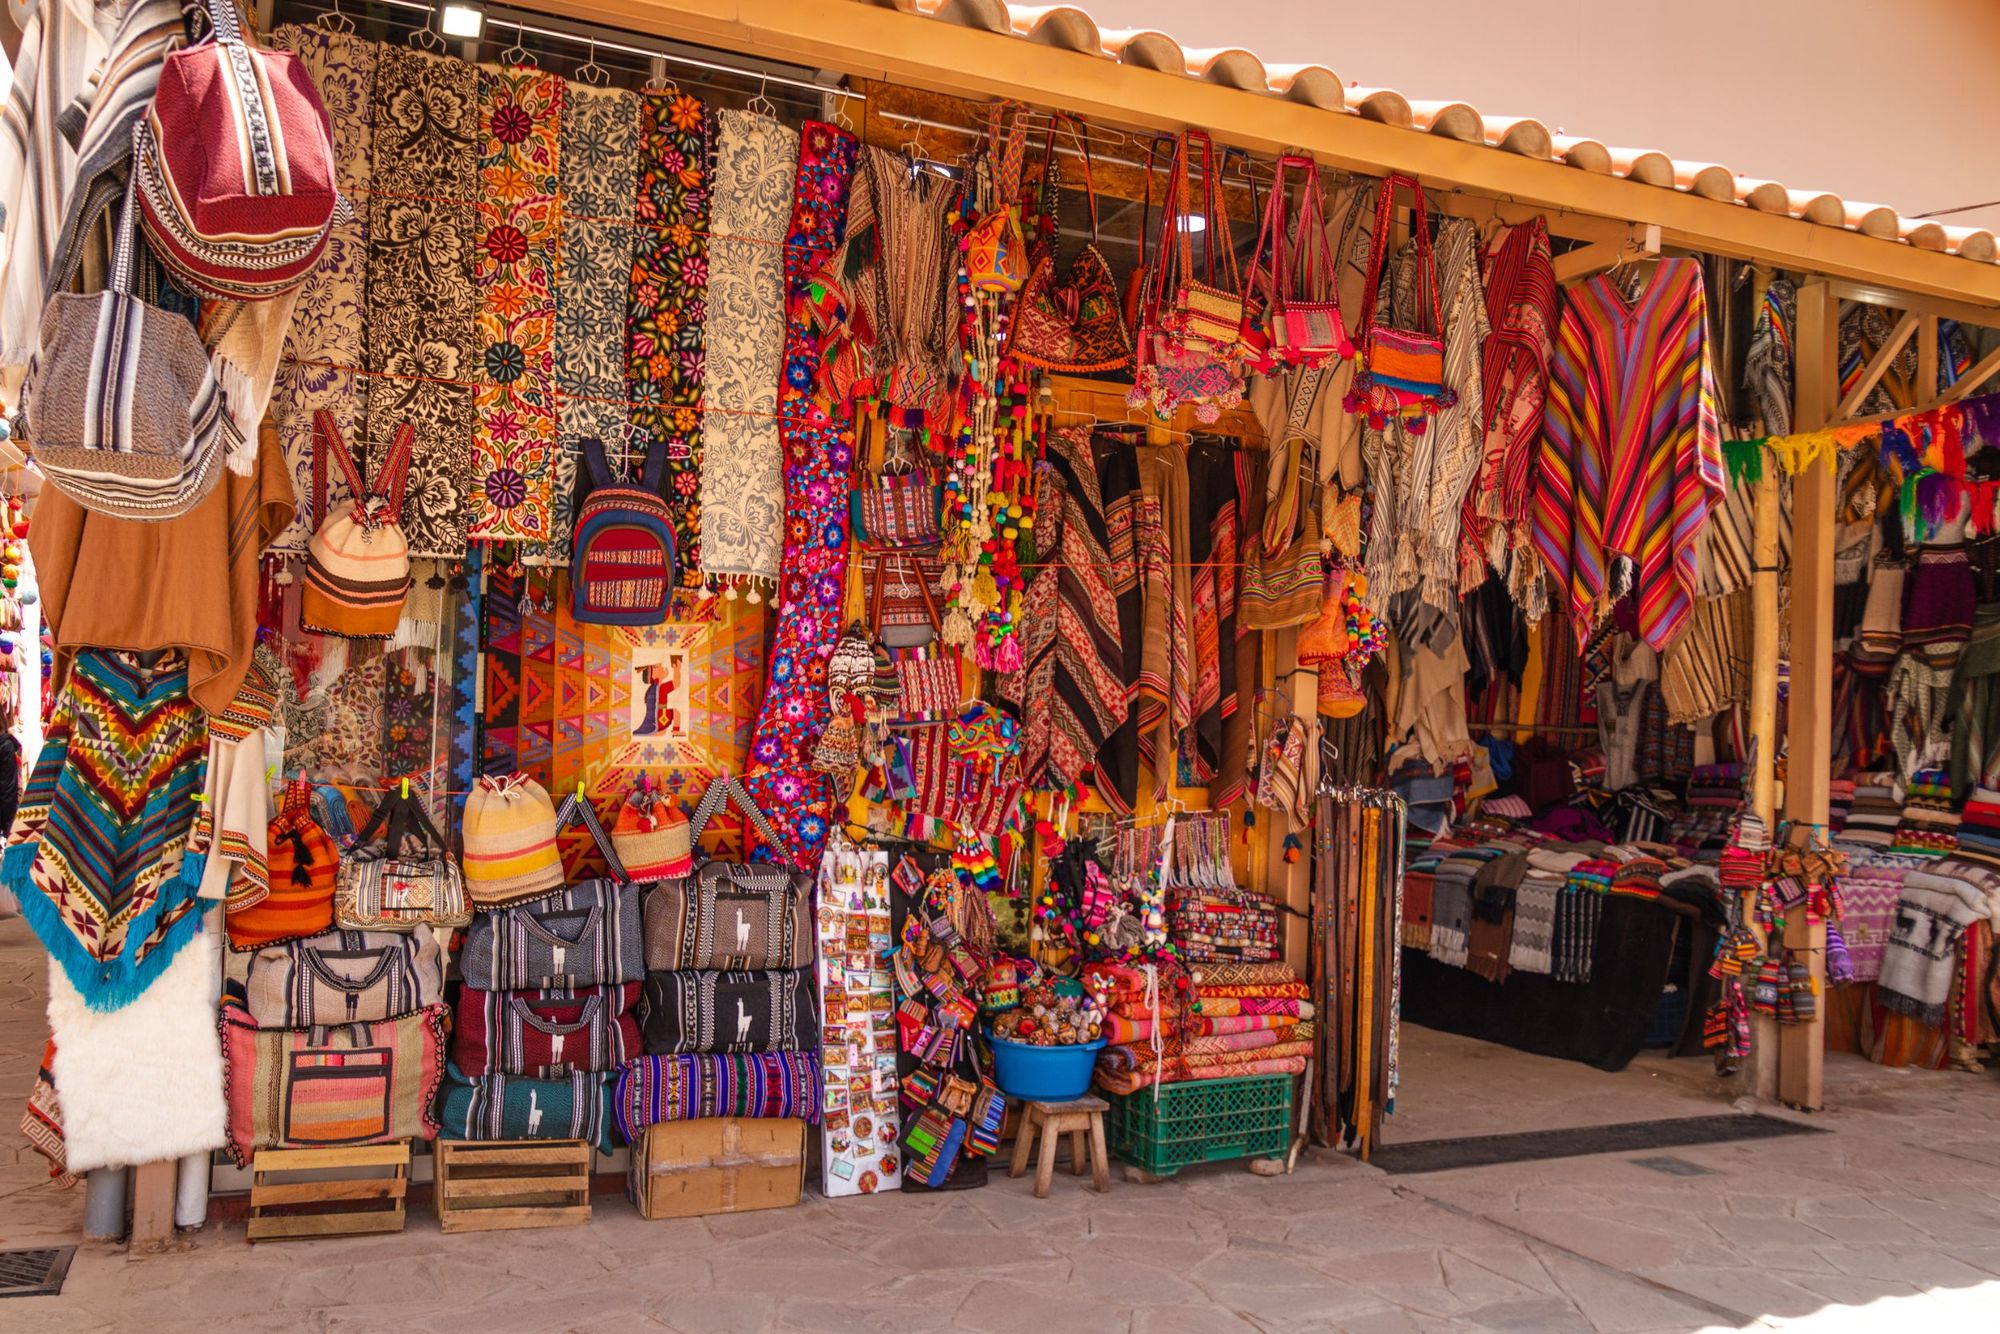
x=1202 y=1121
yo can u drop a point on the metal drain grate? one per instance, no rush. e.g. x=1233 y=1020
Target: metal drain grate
x=34 y=1273
x=1674 y=1167
x=1446 y=1155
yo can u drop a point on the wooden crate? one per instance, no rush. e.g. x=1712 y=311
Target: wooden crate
x=317 y=1192
x=487 y=1185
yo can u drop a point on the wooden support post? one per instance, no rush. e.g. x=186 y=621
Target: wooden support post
x=1802 y=1048
x=1763 y=1063
x=1290 y=883
x=154 y=1188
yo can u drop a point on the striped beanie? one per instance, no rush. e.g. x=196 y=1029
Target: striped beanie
x=510 y=841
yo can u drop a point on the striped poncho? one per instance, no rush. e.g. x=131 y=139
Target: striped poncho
x=98 y=856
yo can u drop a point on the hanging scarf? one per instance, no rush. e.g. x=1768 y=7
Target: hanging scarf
x=666 y=312
x=98 y=856
x=598 y=165
x=515 y=255
x=743 y=461
x=818 y=451
x=326 y=336
x=1166 y=679
x=1519 y=279
x=1116 y=451
x=421 y=338
x=1213 y=550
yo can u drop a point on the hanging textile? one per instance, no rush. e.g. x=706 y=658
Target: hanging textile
x=1216 y=557
x=1767 y=371
x=1070 y=690
x=1242 y=645
x=818 y=449
x=597 y=169
x=1630 y=462
x=422 y=306
x=1165 y=691
x=742 y=473
x=666 y=311
x=1420 y=475
x=901 y=261
x=516 y=251
x=1707 y=669
x=326 y=337
x=1520 y=282
x=96 y=857
x=1116 y=450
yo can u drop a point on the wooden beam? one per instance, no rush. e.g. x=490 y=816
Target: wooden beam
x=1927 y=356
x=880 y=42
x=154 y=1186
x=1982 y=370
x=1885 y=356
x=1875 y=294
x=1809 y=719
x=1587 y=261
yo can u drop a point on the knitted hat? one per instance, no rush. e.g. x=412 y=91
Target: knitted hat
x=652 y=838
x=510 y=841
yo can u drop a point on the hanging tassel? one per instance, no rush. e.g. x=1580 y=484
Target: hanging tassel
x=1745 y=461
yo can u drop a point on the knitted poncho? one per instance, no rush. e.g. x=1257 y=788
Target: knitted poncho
x=98 y=856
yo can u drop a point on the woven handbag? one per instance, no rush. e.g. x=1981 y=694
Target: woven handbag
x=509 y=837
x=235 y=166
x=902 y=588
x=1071 y=322
x=123 y=408
x=330 y=1086
x=996 y=252
x=514 y=1107
x=1172 y=369
x=1301 y=323
x=1402 y=370
x=357 y=561
x=929 y=683
x=1207 y=310
x=548 y=1033
x=1283 y=579
x=748 y=915
x=301 y=866
x=896 y=510
x=586 y=935
x=345 y=977
x=388 y=886
x=708 y=1011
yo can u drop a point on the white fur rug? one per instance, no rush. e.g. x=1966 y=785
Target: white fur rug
x=144 y=1083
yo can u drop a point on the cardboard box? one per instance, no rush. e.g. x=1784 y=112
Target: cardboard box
x=720 y=1165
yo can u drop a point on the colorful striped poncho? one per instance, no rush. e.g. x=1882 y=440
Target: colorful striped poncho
x=1631 y=460
x=98 y=856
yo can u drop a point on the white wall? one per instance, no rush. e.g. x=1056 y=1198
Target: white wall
x=1888 y=101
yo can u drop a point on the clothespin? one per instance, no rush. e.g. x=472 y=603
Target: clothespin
x=406 y=789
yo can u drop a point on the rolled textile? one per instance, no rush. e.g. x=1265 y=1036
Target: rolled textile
x=1207 y=1025
x=1221 y=1007
x=653 y=1089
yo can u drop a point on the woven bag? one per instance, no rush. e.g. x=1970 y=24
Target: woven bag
x=302 y=865
x=727 y=914
x=708 y=1011
x=1071 y=322
x=235 y=166
x=510 y=841
x=624 y=563
x=548 y=1033
x=651 y=836
x=514 y=1107
x=357 y=560
x=1402 y=370
x=996 y=253
x=345 y=977
x=393 y=885
x=1283 y=579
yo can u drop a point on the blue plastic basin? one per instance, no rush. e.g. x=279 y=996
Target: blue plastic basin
x=1043 y=1074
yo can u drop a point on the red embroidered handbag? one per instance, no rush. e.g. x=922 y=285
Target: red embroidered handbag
x=1300 y=323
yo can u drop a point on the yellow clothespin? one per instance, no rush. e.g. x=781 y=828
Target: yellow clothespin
x=406 y=787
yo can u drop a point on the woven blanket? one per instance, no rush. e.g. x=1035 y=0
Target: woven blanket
x=1218 y=978
x=1419 y=889
x=1868 y=914
x=1208 y=991
x=1575 y=943
x=1285 y=1060
x=1207 y=1025
x=1224 y=1045
x=1532 y=947
x=742 y=471
x=98 y=857
x=1451 y=916
x=1917 y=965
x=653 y=1089
x=1220 y=1007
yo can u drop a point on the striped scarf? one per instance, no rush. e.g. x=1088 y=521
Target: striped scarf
x=97 y=856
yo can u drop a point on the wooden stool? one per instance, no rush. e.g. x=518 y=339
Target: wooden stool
x=1081 y=1119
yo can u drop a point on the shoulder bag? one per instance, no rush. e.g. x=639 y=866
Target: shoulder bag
x=728 y=914
x=1402 y=370
x=1071 y=322
x=929 y=686
x=388 y=887
x=345 y=977
x=1178 y=362
x=898 y=508
x=702 y=1010
x=548 y=1033
x=693 y=1086
x=515 y=1107
x=1283 y=575
x=330 y=1086
x=584 y=936
x=1301 y=320
x=301 y=866
x=357 y=560
x=996 y=252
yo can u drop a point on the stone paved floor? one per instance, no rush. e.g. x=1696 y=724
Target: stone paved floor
x=1893 y=1219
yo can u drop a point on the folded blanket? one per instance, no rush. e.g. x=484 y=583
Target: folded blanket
x=1207 y=1025
x=1917 y=965
x=1223 y=975
x=1242 y=1042
x=1418 y=890
x=1531 y=948
x=1293 y=990
x=1451 y=914
x=1124 y=1028
x=1217 y=1007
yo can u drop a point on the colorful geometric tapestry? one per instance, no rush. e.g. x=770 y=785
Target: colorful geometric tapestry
x=597 y=704
x=514 y=263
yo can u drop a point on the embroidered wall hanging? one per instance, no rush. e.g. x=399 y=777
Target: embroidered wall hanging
x=666 y=312
x=818 y=451
x=598 y=169
x=514 y=263
x=742 y=473
x=422 y=305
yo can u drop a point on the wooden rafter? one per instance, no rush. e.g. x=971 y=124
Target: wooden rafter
x=1885 y=357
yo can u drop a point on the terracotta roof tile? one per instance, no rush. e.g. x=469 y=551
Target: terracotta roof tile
x=1071 y=28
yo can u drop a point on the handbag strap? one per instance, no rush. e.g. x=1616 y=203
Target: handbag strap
x=266 y=178
x=395 y=469
x=724 y=789
x=575 y=808
x=1146 y=211
x=1217 y=216
x=1311 y=243
x=124 y=249
x=882 y=560
x=399 y=818
x=1385 y=212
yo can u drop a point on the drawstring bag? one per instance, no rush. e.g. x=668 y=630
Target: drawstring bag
x=1402 y=370
x=1071 y=323
x=510 y=841
x=996 y=253
x=357 y=562
x=1283 y=579
x=301 y=864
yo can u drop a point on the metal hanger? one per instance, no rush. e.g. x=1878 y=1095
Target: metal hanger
x=590 y=72
x=517 y=55
x=761 y=104
x=335 y=21
x=426 y=38
x=840 y=116
x=657 y=78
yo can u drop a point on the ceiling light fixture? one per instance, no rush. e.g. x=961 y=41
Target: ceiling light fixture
x=466 y=21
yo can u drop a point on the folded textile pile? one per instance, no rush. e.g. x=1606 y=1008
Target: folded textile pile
x=1250 y=1018
x=1237 y=924
x=1869 y=894
x=1839 y=796
x=1979 y=825
x=1874 y=813
x=1419 y=884
x=1451 y=902
x=1917 y=964
x=1578 y=910
x=1930 y=820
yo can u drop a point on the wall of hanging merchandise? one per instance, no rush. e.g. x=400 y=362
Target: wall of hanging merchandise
x=1041 y=585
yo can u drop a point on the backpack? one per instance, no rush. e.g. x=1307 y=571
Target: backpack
x=357 y=561
x=623 y=567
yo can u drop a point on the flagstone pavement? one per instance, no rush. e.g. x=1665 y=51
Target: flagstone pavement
x=1890 y=1220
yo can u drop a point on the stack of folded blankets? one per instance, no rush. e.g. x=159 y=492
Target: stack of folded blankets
x=1246 y=1019
x=1868 y=894
x=1874 y=814
x=1532 y=949
x=1714 y=796
x=1240 y=925
x=1979 y=826
x=1579 y=908
x=1451 y=902
x=1419 y=886
x=1930 y=818
x=1839 y=797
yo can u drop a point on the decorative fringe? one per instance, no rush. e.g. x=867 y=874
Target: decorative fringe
x=1745 y=460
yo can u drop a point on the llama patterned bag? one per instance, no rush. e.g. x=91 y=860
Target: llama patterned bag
x=729 y=1012
x=728 y=915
